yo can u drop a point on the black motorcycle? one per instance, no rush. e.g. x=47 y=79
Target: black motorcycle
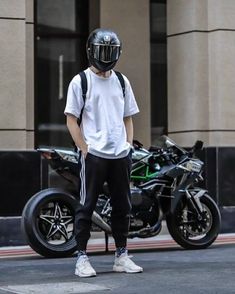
x=163 y=183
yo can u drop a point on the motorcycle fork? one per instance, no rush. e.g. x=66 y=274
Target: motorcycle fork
x=195 y=202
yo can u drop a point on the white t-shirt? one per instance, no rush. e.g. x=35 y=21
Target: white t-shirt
x=102 y=119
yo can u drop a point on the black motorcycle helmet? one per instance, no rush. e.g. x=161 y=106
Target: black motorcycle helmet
x=103 y=49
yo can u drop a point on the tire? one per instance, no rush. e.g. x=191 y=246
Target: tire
x=196 y=235
x=48 y=223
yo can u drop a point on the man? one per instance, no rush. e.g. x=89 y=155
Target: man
x=104 y=139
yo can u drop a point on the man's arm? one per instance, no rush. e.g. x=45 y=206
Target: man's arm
x=129 y=129
x=76 y=133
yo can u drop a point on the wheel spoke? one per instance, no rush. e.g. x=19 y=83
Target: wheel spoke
x=64 y=232
x=47 y=218
x=52 y=233
x=70 y=220
x=183 y=223
x=57 y=211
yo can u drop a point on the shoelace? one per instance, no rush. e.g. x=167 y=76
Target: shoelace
x=83 y=260
x=127 y=259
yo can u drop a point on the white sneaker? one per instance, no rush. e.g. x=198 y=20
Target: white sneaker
x=123 y=263
x=83 y=267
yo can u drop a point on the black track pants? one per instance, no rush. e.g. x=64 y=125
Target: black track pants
x=94 y=171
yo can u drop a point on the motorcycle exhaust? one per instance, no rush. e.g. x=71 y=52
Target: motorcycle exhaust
x=143 y=233
x=150 y=231
x=97 y=219
x=147 y=232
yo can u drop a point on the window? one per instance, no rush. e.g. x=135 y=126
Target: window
x=158 y=68
x=61 y=34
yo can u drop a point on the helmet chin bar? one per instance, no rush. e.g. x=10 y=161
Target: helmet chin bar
x=101 y=66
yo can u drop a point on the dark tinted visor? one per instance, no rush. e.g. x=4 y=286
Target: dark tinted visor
x=105 y=53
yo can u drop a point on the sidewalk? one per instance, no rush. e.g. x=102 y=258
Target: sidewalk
x=97 y=244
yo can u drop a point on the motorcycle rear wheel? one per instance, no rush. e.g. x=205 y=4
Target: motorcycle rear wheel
x=190 y=233
x=48 y=223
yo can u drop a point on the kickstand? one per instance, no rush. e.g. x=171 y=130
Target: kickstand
x=106 y=242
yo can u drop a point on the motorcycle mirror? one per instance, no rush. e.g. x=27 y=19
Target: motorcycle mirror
x=169 y=143
x=137 y=144
x=198 y=145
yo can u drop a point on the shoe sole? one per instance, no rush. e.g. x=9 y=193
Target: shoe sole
x=84 y=275
x=120 y=269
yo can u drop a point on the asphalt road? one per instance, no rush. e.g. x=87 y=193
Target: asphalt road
x=168 y=270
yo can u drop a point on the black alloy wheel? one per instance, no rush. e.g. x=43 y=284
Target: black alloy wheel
x=192 y=232
x=48 y=223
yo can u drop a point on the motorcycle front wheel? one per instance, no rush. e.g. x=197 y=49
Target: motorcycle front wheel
x=48 y=223
x=190 y=232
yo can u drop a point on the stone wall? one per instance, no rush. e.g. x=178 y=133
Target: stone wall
x=201 y=69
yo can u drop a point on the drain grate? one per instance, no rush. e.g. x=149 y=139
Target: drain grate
x=52 y=288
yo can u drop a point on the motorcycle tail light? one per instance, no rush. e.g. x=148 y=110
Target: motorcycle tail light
x=47 y=155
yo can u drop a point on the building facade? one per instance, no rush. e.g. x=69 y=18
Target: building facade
x=178 y=54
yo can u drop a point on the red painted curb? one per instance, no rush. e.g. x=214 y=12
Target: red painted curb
x=20 y=252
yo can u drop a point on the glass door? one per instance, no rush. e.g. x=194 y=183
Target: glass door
x=61 y=33
x=158 y=68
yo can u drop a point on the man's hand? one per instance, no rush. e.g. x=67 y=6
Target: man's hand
x=76 y=134
x=84 y=150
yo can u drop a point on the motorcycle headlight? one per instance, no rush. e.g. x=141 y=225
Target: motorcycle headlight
x=193 y=166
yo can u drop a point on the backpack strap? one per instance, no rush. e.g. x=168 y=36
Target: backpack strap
x=84 y=91
x=122 y=82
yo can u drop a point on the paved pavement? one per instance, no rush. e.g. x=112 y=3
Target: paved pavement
x=167 y=269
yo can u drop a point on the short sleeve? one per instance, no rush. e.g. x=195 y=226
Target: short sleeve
x=131 y=106
x=74 y=101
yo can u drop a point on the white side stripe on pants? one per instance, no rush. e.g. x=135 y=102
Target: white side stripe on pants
x=83 y=180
